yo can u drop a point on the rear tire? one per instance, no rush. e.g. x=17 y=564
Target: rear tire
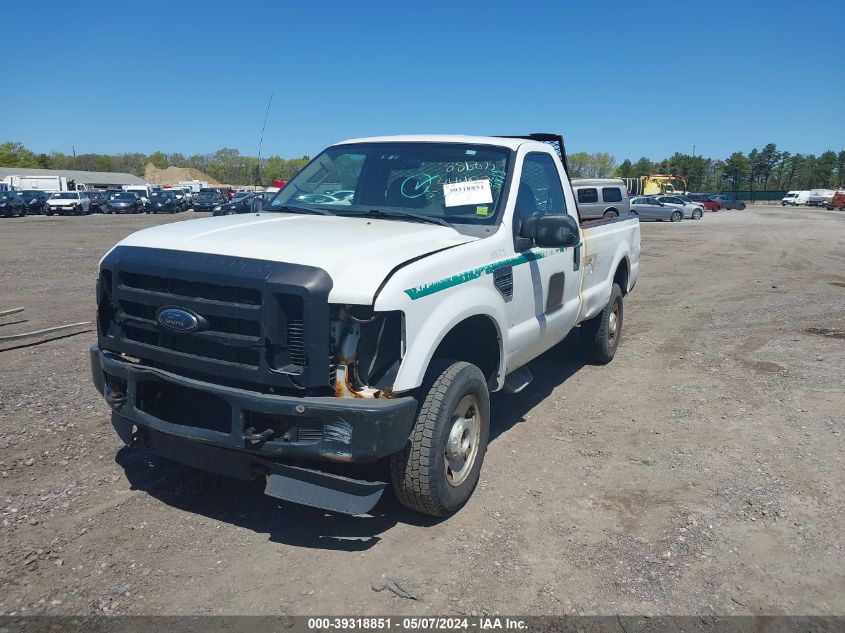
x=677 y=216
x=742 y=206
x=600 y=335
x=437 y=471
x=610 y=214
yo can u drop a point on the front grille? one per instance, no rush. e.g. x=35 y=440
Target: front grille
x=233 y=315
x=262 y=324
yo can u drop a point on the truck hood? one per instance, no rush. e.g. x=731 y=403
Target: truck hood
x=358 y=253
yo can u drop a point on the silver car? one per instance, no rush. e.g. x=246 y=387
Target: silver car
x=650 y=208
x=691 y=210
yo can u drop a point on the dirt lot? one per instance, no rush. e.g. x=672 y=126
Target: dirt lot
x=700 y=472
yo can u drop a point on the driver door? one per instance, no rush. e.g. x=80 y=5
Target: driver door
x=545 y=301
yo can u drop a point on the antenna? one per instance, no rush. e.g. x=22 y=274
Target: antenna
x=261 y=142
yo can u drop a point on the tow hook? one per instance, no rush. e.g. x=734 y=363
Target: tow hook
x=251 y=435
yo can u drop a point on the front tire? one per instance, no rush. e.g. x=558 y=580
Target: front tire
x=610 y=214
x=697 y=214
x=600 y=335
x=742 y=206
x=437 y=471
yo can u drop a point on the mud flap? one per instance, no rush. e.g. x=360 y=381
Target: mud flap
x=323 y=490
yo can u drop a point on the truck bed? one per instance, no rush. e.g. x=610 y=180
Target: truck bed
x=609 y=245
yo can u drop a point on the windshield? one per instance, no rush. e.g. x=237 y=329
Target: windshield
x=123 y=196
x=455 y=182
x=67 y=195
x=158 y=195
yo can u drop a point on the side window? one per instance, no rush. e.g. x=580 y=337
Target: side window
x=588 y=195
x=611 y=194
x=539 y=188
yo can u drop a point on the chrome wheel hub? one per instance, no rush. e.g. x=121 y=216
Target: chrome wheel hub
x=462 y=441
x=612 y=323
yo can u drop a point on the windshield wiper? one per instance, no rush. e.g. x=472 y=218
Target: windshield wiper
x=292 y=208
x=404 y=215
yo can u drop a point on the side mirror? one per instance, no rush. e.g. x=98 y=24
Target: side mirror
x=552 y=230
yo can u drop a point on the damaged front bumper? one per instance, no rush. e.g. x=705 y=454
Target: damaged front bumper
x=241 y=433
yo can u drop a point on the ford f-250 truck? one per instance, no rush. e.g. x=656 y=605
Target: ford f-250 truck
x=322 y=332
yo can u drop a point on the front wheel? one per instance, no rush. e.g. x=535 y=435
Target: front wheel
x=696 y=215
x=742 y=206
x=676 y=216
x=437 y=471
x=600 y=335
x=632 y=212
x=610 y=214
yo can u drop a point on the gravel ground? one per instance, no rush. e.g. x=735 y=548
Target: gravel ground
x=700 y=472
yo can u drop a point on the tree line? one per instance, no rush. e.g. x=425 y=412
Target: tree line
x=226 y=165
x=764 y=169
x=761 y=169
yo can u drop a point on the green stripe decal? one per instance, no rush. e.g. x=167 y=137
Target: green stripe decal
x=475 y=273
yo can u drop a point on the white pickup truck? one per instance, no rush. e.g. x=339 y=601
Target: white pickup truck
x=325 y=331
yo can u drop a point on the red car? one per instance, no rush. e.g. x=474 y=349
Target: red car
x=703 y=198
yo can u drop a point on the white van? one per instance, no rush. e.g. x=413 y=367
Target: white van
x=601 y=197
x=795 y=198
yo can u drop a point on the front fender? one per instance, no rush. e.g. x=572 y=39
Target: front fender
x=428 y=323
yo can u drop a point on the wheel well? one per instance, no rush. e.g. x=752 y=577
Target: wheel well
x=614 y=209
x=474 y=340
x=620 y=277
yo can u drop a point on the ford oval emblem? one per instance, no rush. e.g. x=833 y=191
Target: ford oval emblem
x=179 y=319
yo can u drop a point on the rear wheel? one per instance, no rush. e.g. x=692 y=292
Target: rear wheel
x=742 y=206
x=676 y=216
x=437 y=471
x=600 y=335
x=610 y=214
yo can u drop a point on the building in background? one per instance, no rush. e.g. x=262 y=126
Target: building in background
x=21 y=178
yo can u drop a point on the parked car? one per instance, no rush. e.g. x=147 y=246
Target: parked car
x=68 y=203
x=143 y=191
x=691 y=210
x=125 y=202
x=728 y=202
x=704 y=198
x=837 y=202
x=794 y=198
x=243 y=202
x=35 y=200
x=601 y=197
x=650 y=208
x=207 y=199
x=179 y=196
x=98 y=201
x=356 y=333
x=12 y=204
x=165 y=201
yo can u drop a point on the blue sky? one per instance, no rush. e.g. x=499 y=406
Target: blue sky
x=631 y=78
